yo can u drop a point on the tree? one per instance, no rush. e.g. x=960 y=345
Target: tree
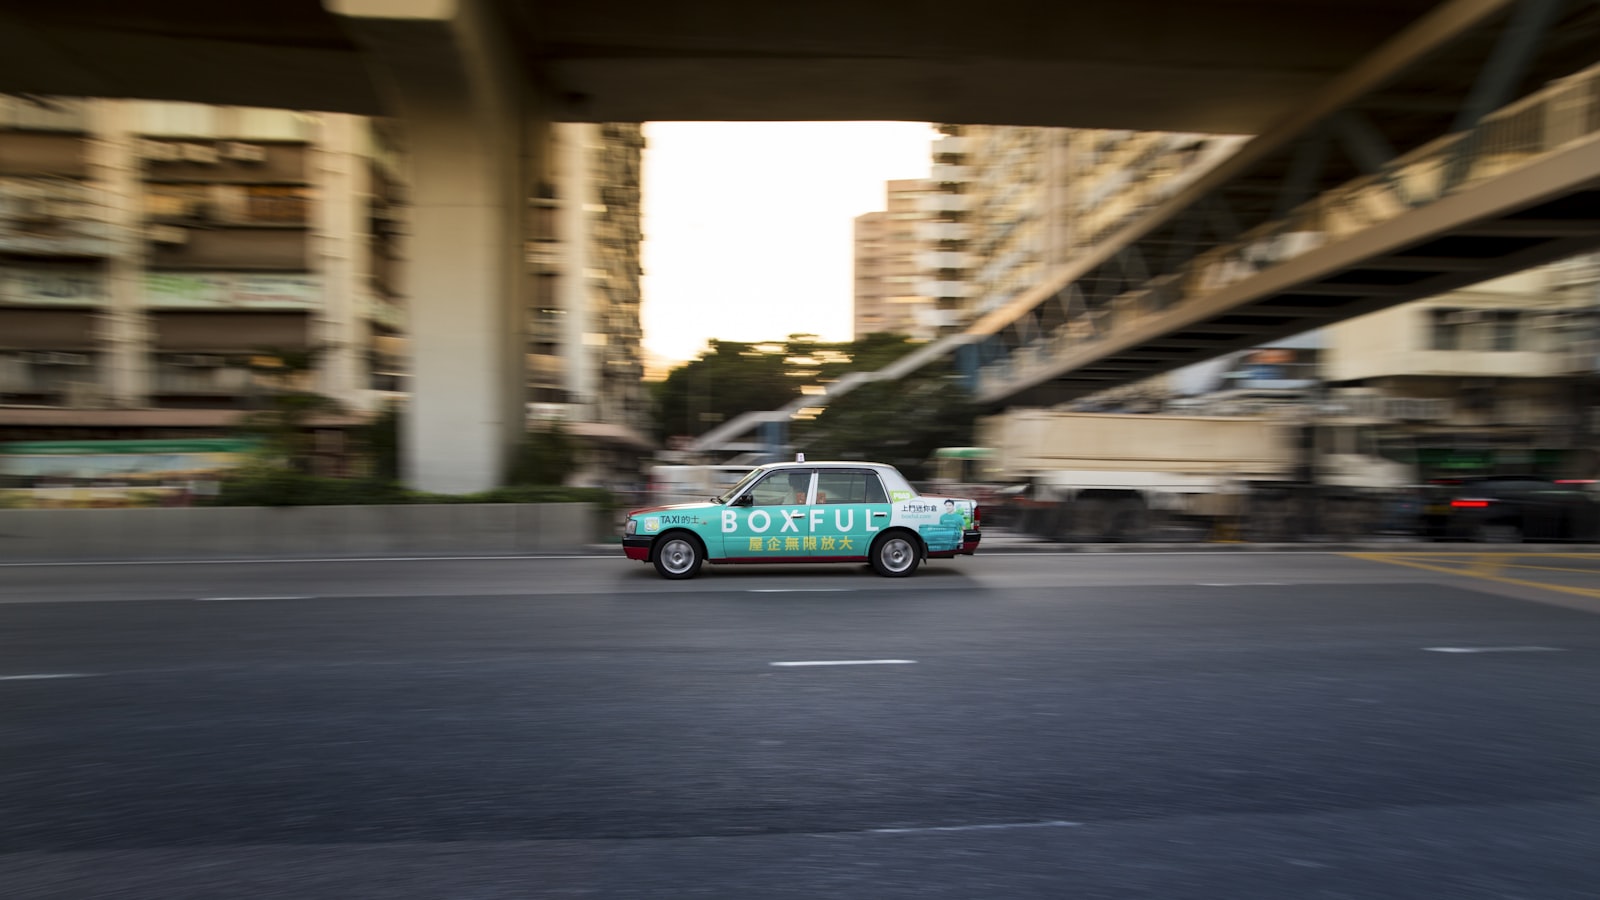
x=382 y=438
x=729 y=379
x=927 y=409
x=546 y=457
x=896 y=422
x=282 y=419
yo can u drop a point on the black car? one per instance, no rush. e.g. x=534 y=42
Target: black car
x=1511 y=508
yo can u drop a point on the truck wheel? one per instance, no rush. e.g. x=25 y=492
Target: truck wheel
x=1091 y=519
x=895 y=554
x=1497 y=533
x=1132 y=519
x=678 y=554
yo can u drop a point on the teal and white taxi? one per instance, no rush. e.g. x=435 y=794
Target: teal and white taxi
x=806 y=512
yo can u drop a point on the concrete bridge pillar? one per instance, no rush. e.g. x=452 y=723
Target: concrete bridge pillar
x=472 y=136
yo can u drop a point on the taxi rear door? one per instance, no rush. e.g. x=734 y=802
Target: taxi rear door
x=851 y=508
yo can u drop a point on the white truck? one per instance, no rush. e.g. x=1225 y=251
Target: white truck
x=692 y=484
x=1121 y=476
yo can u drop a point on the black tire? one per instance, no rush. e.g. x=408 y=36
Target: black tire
x=678 y=554
x=896 y=554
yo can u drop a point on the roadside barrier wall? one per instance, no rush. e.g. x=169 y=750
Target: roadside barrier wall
x=310 y=531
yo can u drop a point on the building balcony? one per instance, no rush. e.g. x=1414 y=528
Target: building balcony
x=943 y=231
x=945 y=289
x=944 y=173
x=944 y=203
x=934 y=260
x=200 y=374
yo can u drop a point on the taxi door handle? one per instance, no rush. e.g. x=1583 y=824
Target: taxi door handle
x=797 y=515
x=880 y=515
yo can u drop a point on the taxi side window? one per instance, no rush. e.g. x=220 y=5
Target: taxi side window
x=850 y=487
x=781 y=489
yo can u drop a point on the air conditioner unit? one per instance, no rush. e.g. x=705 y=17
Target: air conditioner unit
x=1416 y=409
x=248 y=153
x=53 y=358
x=198 y=360
x=205 y=154
x=167 y=234
x=160 y=151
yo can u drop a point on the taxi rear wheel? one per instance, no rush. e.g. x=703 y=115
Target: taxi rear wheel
x=678 y=554
x=895 y=554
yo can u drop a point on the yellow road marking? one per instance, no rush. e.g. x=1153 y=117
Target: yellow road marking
x=1482 y=564
x=1473 y=572
x=1595 y=572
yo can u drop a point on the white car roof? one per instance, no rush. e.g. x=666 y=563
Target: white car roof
x=832 y=463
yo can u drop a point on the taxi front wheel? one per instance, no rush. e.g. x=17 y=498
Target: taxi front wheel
x=678 y=555
x=895 y=555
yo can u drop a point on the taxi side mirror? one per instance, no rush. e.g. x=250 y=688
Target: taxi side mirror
x=745 y=500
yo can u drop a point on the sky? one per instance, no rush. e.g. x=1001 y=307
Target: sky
x=747 y=226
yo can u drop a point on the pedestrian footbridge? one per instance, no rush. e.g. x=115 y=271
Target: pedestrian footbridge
x=1519 y=188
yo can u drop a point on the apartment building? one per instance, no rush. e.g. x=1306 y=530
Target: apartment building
x=585 y=359
x=890 y=252
x=150 y=252
x=154 y=255
x=1501 y=376
x=1011 y=203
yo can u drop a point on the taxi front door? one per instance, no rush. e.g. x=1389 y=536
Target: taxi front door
x=776 y=525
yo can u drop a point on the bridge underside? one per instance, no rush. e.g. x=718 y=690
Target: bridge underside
x=1451 y=258
x=1140 y=64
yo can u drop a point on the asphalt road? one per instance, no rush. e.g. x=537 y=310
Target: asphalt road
x=1129 y=725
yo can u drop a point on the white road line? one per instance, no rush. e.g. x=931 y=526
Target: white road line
x=248 y=599
x=1237 y=583
x=998 y=826
x=48 y=676
x=847 y=662
x=799 y=590
x=295 y=561
x=1495 y=649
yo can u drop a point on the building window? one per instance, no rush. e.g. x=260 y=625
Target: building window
x=1504 y=335
x=1445 y=329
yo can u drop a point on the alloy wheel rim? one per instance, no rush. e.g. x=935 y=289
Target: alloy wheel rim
x=896 y=555
x=677 y=556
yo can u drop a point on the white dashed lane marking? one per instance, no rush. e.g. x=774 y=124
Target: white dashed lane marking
x=249 y=599
x=997 y=826
x=1494 y=649
x=798 y=590
x=847 y=662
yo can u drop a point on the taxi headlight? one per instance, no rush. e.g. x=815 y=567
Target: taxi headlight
x=631 y=527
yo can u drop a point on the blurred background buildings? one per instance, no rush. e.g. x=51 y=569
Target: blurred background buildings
x=1497 y=377
x=156 y=257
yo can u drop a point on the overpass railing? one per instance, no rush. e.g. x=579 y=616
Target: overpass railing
x=1563 y=113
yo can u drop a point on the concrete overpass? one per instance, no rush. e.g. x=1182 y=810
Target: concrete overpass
x=1144 y=64
x=473 y=81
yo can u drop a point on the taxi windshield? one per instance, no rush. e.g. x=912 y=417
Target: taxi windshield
x=730 y=493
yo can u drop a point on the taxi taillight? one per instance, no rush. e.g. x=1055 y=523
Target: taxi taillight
x=1469 y=504
x=977 y=516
